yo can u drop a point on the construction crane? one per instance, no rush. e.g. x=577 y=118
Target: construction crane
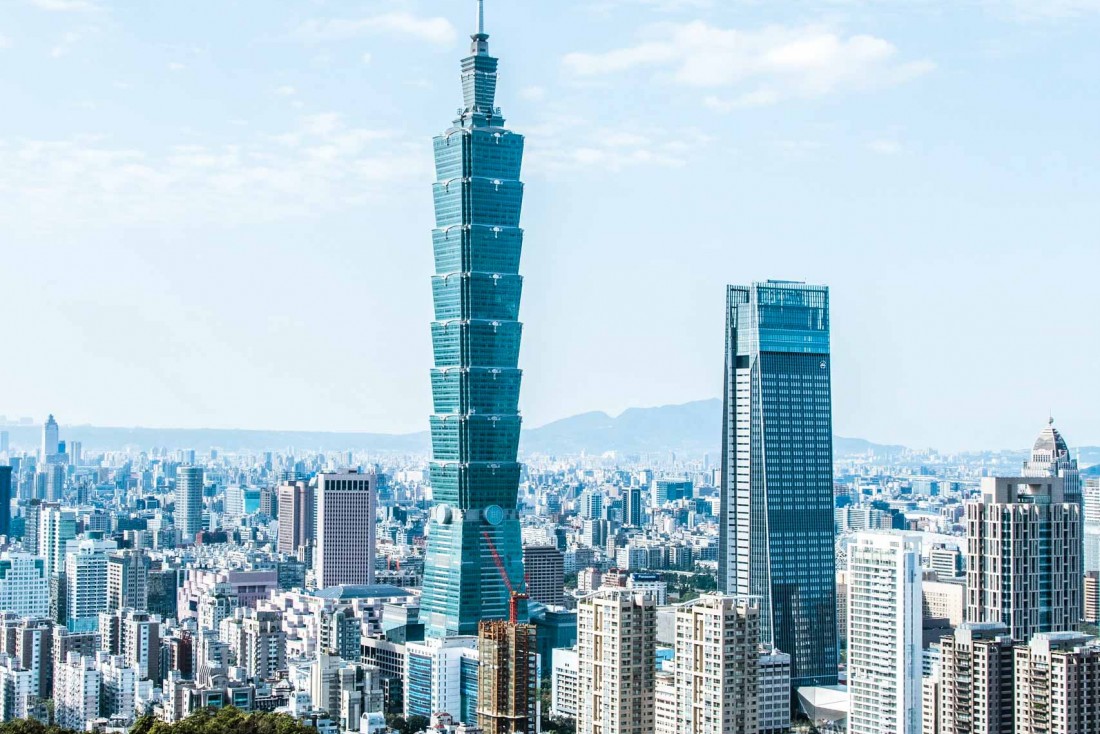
x=514 y=597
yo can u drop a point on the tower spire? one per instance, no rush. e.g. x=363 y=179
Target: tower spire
x=481 y=17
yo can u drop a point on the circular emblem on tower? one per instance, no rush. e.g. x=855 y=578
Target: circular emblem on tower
x=494 y=515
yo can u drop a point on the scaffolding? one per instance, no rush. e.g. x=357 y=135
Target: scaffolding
x=507 y=678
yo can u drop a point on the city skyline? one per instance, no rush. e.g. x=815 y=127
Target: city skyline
x=185 y=281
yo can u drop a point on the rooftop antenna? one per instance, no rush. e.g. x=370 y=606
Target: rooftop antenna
x=481 y=17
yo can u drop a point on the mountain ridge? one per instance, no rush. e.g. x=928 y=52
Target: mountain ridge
x=692 y=428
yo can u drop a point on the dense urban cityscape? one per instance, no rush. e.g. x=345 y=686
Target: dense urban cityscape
x=776 y=585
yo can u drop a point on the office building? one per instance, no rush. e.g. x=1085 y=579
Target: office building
x=441 y=676
x=5 y=500
x=617 y=661
x=671 y=490
x=717 y=665
x=544 y=567
x=188 y=514
x=50 y=443
x=296 y=507
x=884 y=634
x=944 y=600
x=345 y=531
x=53 y=477
x=1033 y=584
x=24 y=587
x=507 y=701
x=128 y=580
x=776 y=529
x=633 y=511
x=564 y=682
x=946 y=561
x=474 y=524
x=973 y=690
x=241 y=502
x=1058 y=684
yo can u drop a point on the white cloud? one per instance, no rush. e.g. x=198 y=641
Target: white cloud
x=177 y=66
x=763 y=67
x=435 y=30
x=367 y=57
x=322 y=165
x=66 y=6
x=576 y=144
x=5 y=42
x=286 y=91
x=884 y=147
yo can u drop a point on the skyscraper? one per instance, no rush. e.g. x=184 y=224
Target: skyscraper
x=5 y=500
x=1033 y=583
x=776 y=528
x=473 y=558
x=49 y=439
x=345 y=529
x=296 y=506
x=884 y=634
x=189 y=481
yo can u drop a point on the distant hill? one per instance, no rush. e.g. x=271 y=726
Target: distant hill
x=690 y=429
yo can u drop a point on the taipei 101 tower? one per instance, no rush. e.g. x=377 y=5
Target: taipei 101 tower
x=473 y=566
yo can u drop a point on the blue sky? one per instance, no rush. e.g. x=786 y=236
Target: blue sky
x=217 y=213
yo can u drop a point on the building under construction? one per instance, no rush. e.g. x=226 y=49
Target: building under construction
x=507 y=678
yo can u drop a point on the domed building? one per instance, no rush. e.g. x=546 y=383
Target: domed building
x=1050 y=457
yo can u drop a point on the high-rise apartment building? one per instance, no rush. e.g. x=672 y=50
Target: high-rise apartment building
x=5 y=500
x=296 y=507
x=1058 y=684
x=188 y=515
x=24 y=587
x=776 y=529
x=717 y=665
x=86 y=582
x=544 y=566
x=474 y=525
x=345 y=532
x=972 y=691
x=884 y=634
x=507 y=700
x=77 y=684
x=616 y=653
x=1023 y=565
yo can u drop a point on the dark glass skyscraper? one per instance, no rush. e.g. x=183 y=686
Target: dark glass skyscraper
x=474 y=554
x=5 y=500
x=776 y=530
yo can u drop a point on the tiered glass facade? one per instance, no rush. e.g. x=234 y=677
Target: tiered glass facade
x=474 y=528
x=776 y=534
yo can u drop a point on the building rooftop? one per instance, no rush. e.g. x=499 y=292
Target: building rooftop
x=372 y=591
